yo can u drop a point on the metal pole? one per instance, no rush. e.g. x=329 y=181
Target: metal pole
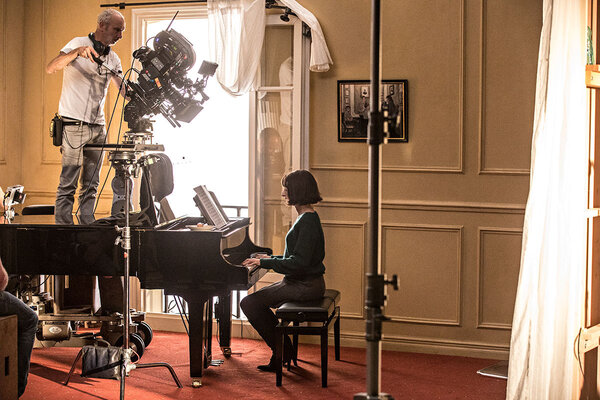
x=375 y=141
x=126 y=244
x=374 y=293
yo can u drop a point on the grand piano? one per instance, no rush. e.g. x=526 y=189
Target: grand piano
x=196 y=265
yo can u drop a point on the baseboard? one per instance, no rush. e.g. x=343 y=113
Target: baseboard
x=243 y=329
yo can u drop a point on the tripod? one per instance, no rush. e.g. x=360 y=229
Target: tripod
x=126 y=162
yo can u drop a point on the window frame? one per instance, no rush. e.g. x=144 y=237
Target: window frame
x=152 y=301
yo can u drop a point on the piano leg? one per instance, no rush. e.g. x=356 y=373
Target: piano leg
x=223 y=314
x=208 y=312
x=196 y=341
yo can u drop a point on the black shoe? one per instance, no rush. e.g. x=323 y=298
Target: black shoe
x=270 y=367
x=287 y=359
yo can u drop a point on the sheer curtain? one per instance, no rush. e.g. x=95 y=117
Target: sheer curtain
x=550 y=295
x=320 y=59
x=236 y=30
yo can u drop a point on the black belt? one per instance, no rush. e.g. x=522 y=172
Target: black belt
x=77 y=122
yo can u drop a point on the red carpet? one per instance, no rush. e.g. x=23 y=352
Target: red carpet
x=403 y=375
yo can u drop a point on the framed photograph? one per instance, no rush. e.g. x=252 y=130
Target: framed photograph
x=353 y=109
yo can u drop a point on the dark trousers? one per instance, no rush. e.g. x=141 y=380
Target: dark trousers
x=257 y=306
x=27 y=321
x=79 y=164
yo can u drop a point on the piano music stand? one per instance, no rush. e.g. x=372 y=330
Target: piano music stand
x=125 y=161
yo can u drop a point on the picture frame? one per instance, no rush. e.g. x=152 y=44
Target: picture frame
x=353 y=109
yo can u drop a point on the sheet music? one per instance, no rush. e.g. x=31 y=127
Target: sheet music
x=209 y=208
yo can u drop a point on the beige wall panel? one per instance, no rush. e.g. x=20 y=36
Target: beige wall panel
x=345 y=269
x=41 y=174
x=352 y=185
x=499 y=264
x=11 y=98
x=3 y=135
x=432 y=61
x=510 y=39
x=428 y=262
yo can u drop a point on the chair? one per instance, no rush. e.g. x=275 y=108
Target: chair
x=323 y=311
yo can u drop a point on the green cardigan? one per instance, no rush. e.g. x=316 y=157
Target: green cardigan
x=304 y=249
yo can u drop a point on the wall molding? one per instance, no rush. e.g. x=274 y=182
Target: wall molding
x=456 y=229
x=391 y=168
x=46 y=160
x=482 y=93
x=362 y=226
x=424 y=205
x=479 y=306
x=460 y=80
x=431 y=346
x=242 y=328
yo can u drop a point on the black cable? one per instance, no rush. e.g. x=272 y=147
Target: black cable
x=129 y=71
x=40 y=285
x=182 y=315
x=98 y=161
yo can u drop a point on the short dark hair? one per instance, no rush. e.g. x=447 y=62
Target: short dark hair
x=301 y=188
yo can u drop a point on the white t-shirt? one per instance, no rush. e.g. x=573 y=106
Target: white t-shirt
x=85 y=84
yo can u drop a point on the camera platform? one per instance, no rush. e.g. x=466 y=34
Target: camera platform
x=61 y=330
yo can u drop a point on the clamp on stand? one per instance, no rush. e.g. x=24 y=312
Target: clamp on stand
x=125 y=162
x=14 y=195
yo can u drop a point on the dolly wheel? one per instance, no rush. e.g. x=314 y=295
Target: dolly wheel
x=136 y=343
x=145 y=332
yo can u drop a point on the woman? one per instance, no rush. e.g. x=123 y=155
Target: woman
x=301 y=264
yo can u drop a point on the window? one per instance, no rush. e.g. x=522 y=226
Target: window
x=280 y=127
x=238 y=146
x=212 y=149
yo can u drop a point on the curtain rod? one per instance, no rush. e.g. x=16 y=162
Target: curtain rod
x=148 y=3
x=268 y=4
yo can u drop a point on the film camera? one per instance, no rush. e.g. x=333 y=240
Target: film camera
x=162 y=86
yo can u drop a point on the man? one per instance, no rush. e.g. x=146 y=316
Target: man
x=85 y=84
x=27 y=321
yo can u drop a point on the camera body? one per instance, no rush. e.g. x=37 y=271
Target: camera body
x=163 y=86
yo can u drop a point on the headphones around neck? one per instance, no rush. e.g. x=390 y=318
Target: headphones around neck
x=100 y=48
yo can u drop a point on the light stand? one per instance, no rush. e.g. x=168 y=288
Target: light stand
x=125 y=163
x=375 y=290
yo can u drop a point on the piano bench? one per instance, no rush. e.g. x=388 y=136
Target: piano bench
x=321 y=313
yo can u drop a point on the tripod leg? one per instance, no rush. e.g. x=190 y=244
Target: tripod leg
x=162 y=364
x=73 y=366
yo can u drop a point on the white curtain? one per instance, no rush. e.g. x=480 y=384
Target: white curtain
x=236 y=29
x=550 y=295
x=320 y=59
